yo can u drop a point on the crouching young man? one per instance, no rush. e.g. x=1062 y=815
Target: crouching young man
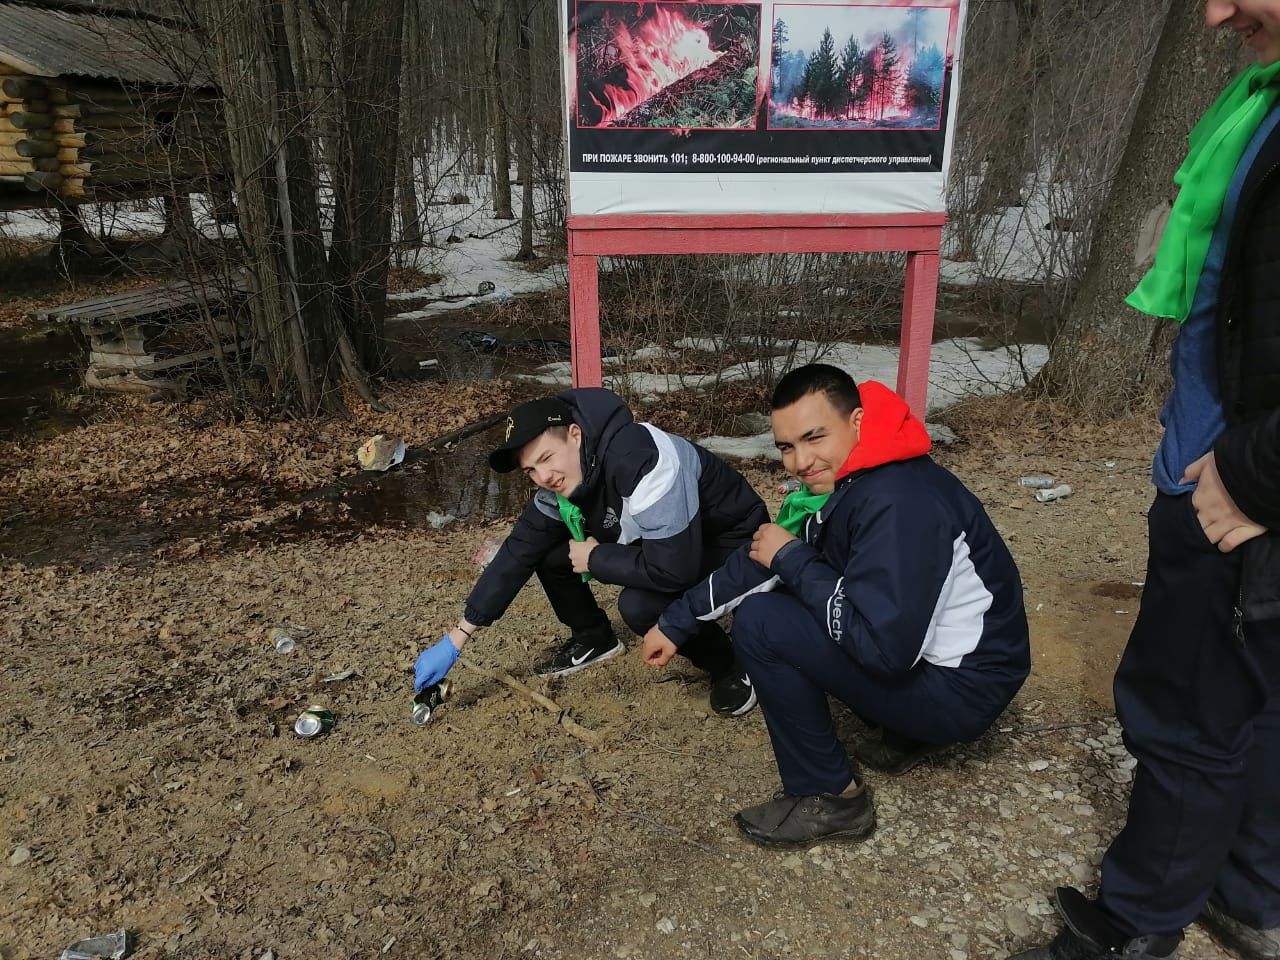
x=883 y=583
x=619 y=502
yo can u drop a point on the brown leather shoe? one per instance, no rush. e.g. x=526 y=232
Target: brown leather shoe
x=790 y=821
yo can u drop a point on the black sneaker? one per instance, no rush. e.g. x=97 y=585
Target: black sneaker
x=1238 y=938
x=894 y=755
x=1089 y=935
x=787 y=821
x=578 y=653
x=732 y=695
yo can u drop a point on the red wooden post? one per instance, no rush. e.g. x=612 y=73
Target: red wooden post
x=917 y=329
x=584 y=318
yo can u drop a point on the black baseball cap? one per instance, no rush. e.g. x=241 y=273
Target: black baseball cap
x=526 y=422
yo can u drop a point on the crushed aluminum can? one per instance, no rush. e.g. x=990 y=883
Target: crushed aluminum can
x=281 y=639
x=313 y=722
x=789 y=486
x=429 y=700
x=1038 y=482
x=1060 y=492
x=111 y=946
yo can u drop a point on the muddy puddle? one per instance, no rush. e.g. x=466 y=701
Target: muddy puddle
x=40 y=381
x=435 y=490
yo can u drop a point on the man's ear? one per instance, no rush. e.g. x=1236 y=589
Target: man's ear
x=855 y=419
x=575 y=434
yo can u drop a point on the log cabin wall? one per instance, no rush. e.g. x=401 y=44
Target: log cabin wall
x=94 y=111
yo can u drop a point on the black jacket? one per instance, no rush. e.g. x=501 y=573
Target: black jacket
x=1248 y=329
x=654 y=501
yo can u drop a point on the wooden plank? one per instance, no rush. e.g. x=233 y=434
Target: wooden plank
x=135 y=306
x=116 y=366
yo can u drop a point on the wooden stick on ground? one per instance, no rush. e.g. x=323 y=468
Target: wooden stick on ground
x=592 y=738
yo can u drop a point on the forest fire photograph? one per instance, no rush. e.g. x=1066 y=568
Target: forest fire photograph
x=858 y=67
x=663 y=65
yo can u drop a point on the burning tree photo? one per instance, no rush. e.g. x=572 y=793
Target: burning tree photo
x=663 y=65
x=858 y=67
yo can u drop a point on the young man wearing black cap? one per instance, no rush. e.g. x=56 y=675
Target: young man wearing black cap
x=619 y=502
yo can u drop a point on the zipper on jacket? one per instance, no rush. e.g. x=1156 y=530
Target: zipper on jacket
x=1237 y=618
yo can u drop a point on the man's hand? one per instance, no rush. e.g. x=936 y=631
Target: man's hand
x=1219 y=517
x=767 y=541
x=656 y=649
x=580 y=554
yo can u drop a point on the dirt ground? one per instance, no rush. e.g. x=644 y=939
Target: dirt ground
x=149 y=778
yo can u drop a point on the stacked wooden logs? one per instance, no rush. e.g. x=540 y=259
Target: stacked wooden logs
x=74 y=138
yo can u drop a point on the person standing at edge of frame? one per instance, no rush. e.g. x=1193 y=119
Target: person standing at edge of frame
x=619 y=502
x=883 y=583
x=1198 y=687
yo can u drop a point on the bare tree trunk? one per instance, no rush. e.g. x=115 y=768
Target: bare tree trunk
x=410 y=214
x=501 y=131
x=365 y=177
x=525 y=80
x=275 y=177
x=1007 y=163
x=1108 y=357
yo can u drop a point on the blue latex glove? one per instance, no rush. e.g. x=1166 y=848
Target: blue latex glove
x=433 y=663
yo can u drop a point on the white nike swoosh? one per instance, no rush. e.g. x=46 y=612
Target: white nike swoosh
x=579 y=661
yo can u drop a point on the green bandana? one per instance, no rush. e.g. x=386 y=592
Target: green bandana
x=572 y=517
x=798 y=507
x=1218 y=142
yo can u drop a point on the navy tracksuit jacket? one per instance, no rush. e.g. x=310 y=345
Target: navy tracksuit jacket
x=900 y=598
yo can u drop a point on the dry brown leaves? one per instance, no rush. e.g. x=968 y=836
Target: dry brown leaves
x=141 y=446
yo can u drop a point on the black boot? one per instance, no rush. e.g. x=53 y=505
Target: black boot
x=790 y=821
x=1089 y=935
x=893 y=753
x=1239 y=939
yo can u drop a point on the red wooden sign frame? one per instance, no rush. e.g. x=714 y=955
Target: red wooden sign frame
x=919 y=235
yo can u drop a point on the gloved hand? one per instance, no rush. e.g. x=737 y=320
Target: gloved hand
x=433 y=663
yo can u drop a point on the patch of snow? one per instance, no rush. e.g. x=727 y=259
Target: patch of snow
x=1015 y=243
x=958 y=368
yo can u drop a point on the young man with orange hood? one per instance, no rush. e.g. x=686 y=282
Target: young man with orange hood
x=883 y=583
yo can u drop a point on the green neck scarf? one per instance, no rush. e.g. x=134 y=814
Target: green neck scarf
x=1218 y=142
x=798 y=507
x=573 y=519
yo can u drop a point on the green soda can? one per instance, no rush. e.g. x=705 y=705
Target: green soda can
x=313 y=721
